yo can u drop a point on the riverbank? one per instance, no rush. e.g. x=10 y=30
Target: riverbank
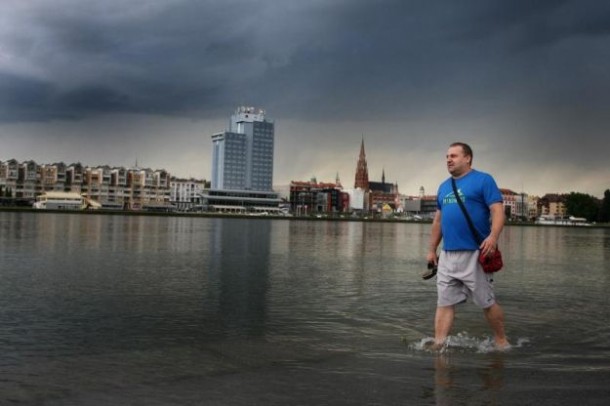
x=267 y=216
x=212 y=215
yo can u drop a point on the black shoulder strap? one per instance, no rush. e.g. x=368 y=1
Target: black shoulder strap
x=474 y=231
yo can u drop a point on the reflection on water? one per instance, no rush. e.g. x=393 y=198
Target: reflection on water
x=169 y=310
x=238 y=269
x=452 y=383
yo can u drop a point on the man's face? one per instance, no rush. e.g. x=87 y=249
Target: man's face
x=457 y=163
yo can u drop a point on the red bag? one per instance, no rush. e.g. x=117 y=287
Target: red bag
x=492 y=263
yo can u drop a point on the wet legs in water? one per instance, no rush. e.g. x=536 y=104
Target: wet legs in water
x=495 y=317
x=443 y=322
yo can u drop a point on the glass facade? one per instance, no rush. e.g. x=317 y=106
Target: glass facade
x=242 y=157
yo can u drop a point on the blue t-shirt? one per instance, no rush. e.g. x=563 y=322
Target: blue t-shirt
x=478 y=191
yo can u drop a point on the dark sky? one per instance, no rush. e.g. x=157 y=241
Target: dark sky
x=526 y=83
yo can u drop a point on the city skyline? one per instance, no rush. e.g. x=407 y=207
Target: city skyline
x=525 y=84
x=280 y=189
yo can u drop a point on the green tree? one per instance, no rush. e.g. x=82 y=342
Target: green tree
x=582 y=205
x=604 y=210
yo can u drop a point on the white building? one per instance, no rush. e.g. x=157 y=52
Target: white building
x=356 y=198
x=185 y=193
x=60 y=201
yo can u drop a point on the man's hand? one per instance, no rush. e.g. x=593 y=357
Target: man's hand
x=489 y=245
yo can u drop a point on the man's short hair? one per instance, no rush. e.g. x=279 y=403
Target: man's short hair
x=466 y=148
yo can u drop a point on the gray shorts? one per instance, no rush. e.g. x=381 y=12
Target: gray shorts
x=460 y=276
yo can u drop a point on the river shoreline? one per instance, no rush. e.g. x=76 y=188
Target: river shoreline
x=267 y=217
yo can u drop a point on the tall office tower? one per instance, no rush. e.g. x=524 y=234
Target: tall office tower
x=242 y=157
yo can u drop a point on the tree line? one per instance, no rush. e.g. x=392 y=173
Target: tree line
x=589 y=207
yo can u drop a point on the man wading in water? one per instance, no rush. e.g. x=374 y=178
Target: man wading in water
x=460 y=275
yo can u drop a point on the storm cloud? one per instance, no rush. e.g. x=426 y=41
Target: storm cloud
x=526 y=82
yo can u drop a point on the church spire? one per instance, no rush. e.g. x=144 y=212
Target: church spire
x=362 y=171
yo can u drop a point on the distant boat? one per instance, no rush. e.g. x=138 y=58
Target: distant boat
x=551 y=220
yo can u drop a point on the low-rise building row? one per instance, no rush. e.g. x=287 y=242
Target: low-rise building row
x=109 y=187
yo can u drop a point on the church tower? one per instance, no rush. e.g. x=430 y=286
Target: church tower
x=362 y=171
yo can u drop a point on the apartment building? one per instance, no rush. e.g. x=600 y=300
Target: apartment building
x=147 y=189
x=552 y=204
x=74 y=178
x=52 y=177
x=9 y=175
x=317 y=197
x=108 y=187
x=27 y=180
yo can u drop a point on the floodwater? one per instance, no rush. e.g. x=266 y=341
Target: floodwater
x=144 y=310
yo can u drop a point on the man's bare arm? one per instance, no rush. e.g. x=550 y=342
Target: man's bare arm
x=435 y=237
x=490 y=243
